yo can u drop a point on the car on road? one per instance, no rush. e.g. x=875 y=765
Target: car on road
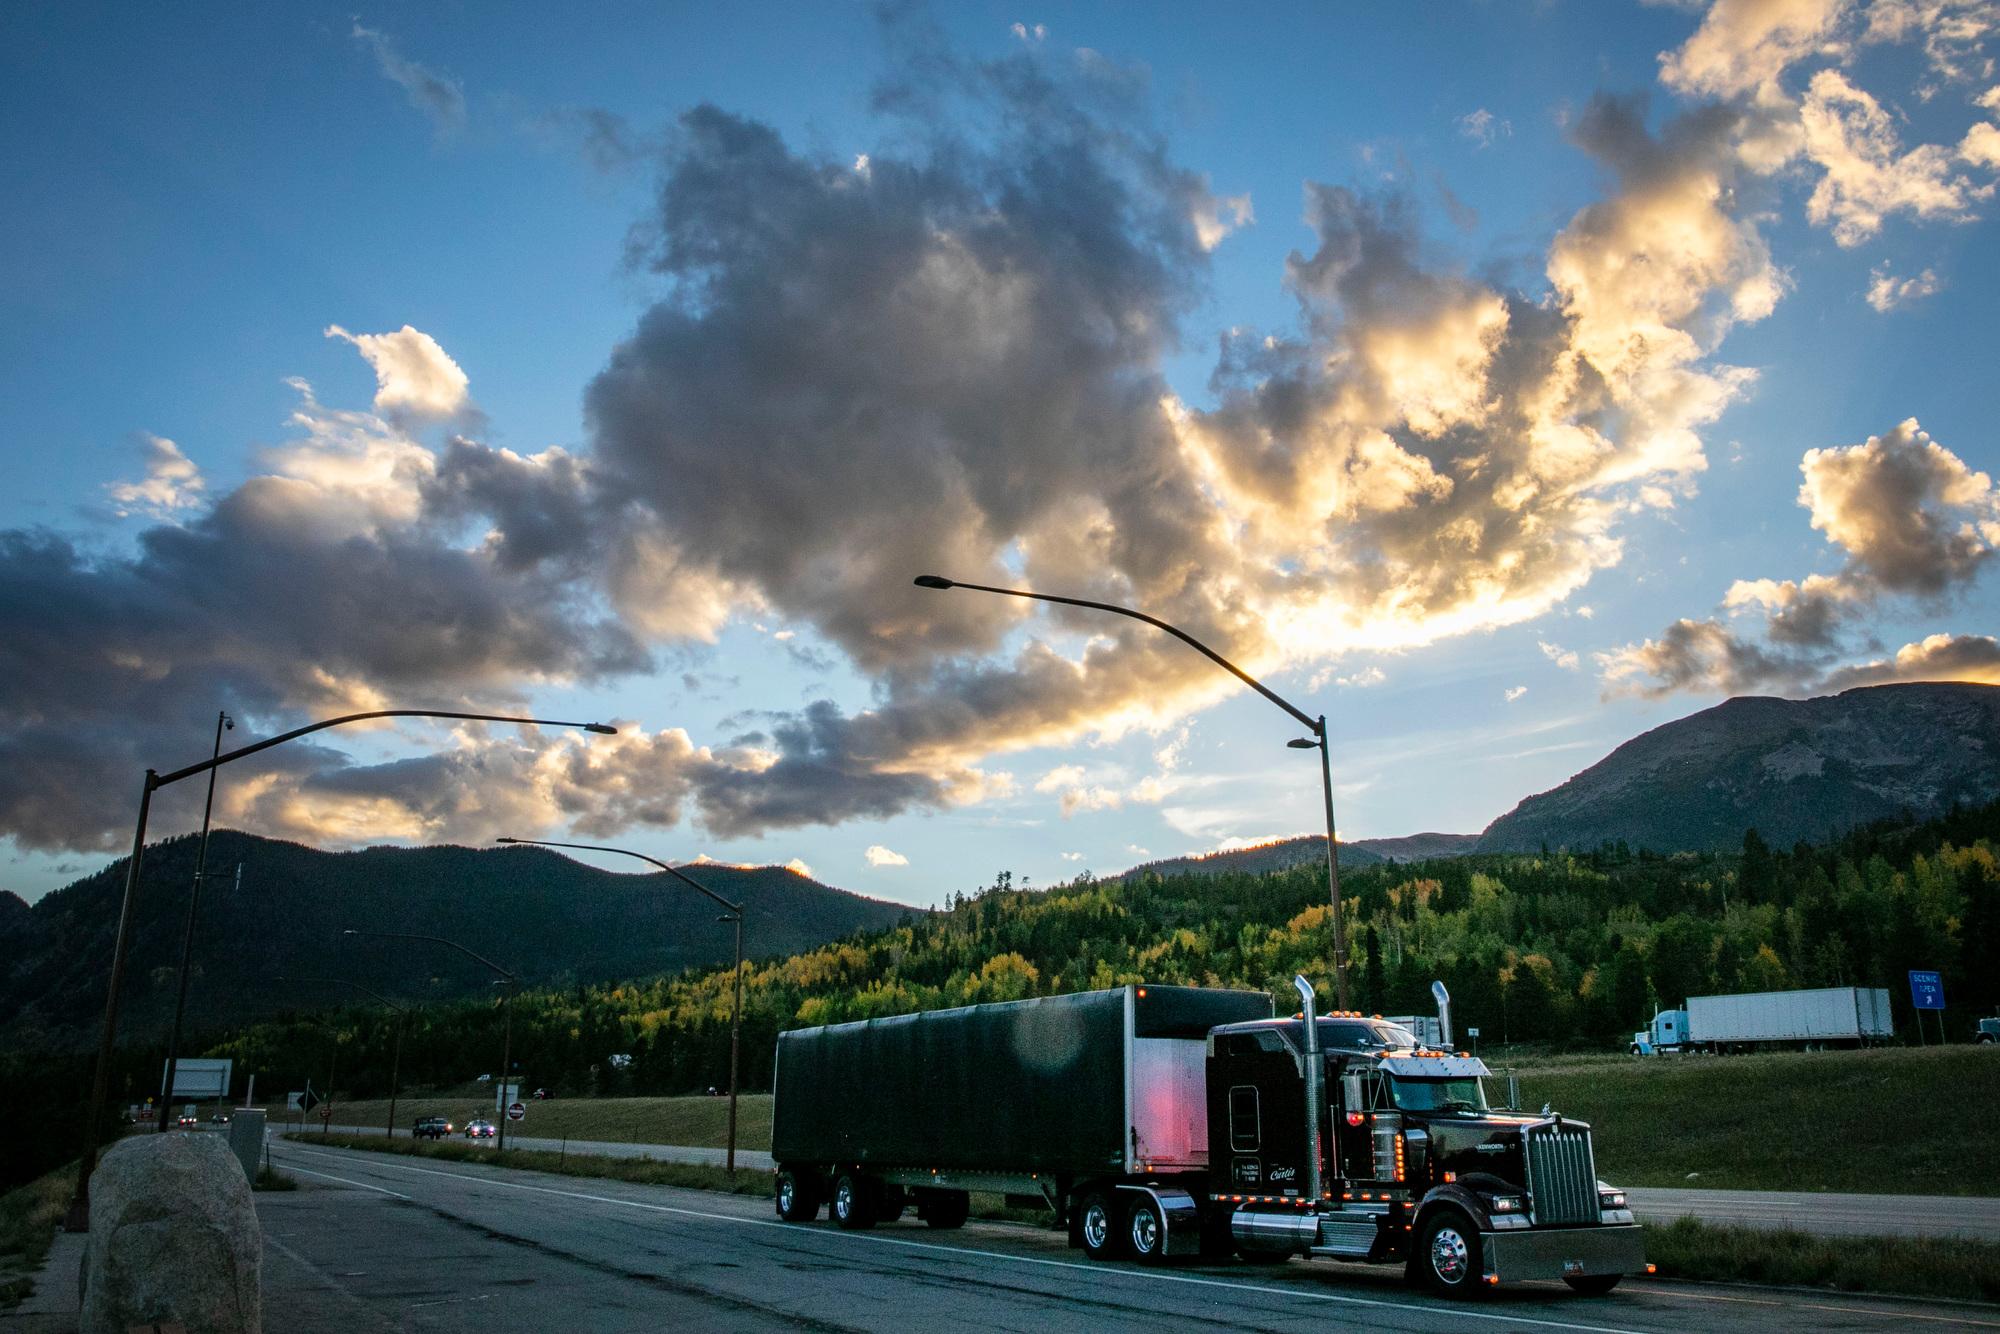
x=186 y=1123
x=219 y=1119
x=481 y=1129
x=431 y=1127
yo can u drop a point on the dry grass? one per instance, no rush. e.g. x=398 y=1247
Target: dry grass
x=29 y=1217
x=1911 y=1266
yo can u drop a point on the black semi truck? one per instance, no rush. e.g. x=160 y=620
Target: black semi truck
x=1159 y=1122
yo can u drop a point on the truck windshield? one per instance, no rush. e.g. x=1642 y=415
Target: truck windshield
x=1438 y=1095
x=1364 y=1035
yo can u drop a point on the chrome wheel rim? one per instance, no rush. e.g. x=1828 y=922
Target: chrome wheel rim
x=843 y=1198
x=1450 y=1259
x=785 y=1194
x=1096 y=1226
x=1145 y=1230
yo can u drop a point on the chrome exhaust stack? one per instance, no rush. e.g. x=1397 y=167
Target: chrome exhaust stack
x=1315 y=1091
x=1443 y=999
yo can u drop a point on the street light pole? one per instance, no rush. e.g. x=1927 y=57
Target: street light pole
x=507 y=1038
x=1317 y=725
x=222 y=720
x=735 y=911
x=77 y=1219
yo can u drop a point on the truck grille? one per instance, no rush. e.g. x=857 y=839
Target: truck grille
x=1562 y=1175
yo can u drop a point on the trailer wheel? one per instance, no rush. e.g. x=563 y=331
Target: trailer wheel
x=944 y=1208
x=1097 y=1224
x=1594 y=1285
x=797 y=1197
x=1146 y=1230
x=854 y=1201
x=890 y=1201
x=1447 y=1257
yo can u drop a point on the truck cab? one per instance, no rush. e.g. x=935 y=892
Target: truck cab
x=1416 y=1165
x=1669 y=1032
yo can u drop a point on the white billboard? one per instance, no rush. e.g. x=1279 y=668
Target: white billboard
x=199 y=1078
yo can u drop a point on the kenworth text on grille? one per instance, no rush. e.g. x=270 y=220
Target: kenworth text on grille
x=1161 y=1122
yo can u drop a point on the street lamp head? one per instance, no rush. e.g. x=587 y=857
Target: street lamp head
x=933 y=581
x=349 y=931
x=1303 y=743
x=506 y=840
x=602 y=729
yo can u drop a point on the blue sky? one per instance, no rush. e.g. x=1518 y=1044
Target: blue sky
x=1418 y=223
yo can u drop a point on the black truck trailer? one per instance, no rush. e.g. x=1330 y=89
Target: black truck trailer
x=1159 y=1122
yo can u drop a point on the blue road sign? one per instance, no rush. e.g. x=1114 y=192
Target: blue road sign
x=1926 y=990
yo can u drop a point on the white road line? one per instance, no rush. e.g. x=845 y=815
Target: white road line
x=1097 y=1270
x=1811 y=1306
x=345 y=1182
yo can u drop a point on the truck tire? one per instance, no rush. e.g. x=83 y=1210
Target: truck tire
x=1099 y=1227
x=1447 y=1256
x=944 y=1208
x=1593 y=1285
x=890 y=1201
x=853 y=1201
x=1145 y=1230
x=796 y=1197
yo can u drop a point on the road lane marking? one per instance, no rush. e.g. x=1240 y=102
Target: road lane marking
x=345 y=1182
x=1095 y=1269
x=1812 y=1306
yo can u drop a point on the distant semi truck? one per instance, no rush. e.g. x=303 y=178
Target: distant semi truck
x=1808 y=1020
x=1158 y=1122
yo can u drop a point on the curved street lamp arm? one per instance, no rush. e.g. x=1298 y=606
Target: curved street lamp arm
x=435 y=940
x=191 y=770
x=1317 y=726
x=673 y=871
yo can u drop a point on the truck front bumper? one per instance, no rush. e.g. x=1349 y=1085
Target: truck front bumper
x=1564 y=1252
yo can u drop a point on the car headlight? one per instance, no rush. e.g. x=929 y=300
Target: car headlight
x=1611 y=1199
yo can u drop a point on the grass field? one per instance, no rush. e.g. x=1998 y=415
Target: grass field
x=1836 y=1121
x=1894 y=1120
x=29 y=1216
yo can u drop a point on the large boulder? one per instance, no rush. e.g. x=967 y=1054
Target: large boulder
x=173 y=1237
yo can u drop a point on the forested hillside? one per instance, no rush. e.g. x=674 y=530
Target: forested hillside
x=1534 y=948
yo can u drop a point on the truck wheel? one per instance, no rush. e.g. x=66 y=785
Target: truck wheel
x=1097 y=1223
x=1594 y=1285
x=1146 y=1231
x=853 y=1202
x=890 y=1201
x=944 y=1208
x=1447 y=1258
x=797 y=1198
x=1635 y=1049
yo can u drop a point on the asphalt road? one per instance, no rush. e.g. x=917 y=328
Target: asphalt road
x=1976 y=1216
x=373 y=1243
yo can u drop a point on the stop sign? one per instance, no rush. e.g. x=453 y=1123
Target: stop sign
x=517 y=1110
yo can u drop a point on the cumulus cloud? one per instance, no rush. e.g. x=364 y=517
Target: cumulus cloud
x=171 y=485
x=1886 y=291
x=1744 y=45
x=1867 y=173
x=1912 y=520
x=878 y=855
x=437 y=95
x=413 y=375
x=1557 y=654
x=1483 y=127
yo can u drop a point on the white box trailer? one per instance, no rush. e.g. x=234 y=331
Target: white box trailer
x=1827 y=1016
x=1830 y=1014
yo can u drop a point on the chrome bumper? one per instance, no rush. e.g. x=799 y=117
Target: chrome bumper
x=1564 y=1252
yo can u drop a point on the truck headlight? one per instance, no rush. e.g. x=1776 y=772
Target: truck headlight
x=1503 y=1204
x=1611 y=1199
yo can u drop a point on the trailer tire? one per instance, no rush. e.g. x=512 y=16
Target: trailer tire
x=944 y=1208
x=1593 y=1285
x=797 y=1197
x=1447 y=1257
x=1099 y=1226
x=1145 y=1230
x=890 y=1201
x=853 y=1201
